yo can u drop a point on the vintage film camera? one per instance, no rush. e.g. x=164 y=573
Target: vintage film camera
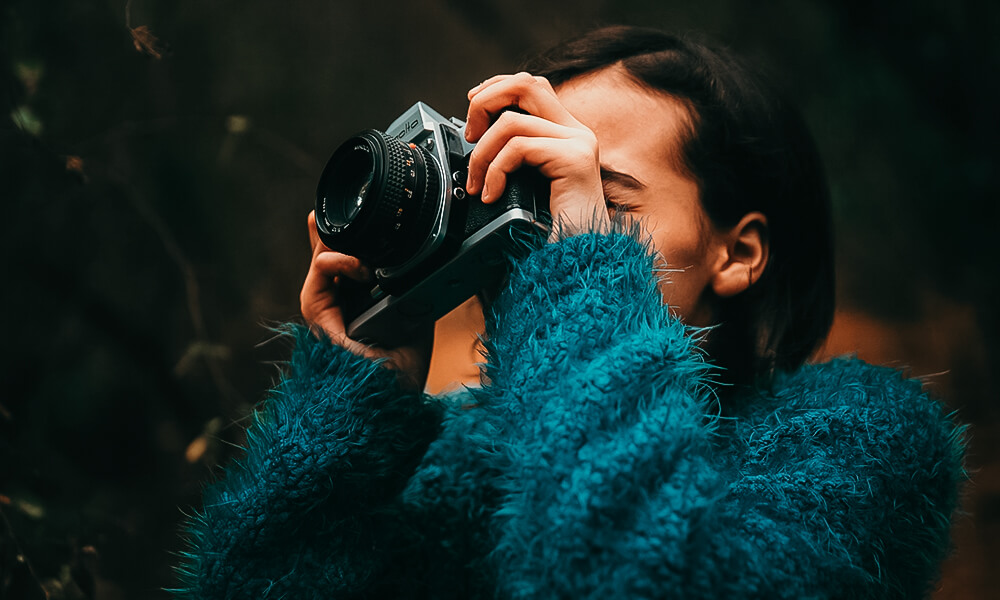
x=397 y=201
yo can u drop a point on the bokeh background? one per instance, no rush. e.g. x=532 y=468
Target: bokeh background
x=158 y=160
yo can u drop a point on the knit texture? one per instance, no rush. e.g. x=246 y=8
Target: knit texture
x=594 y=463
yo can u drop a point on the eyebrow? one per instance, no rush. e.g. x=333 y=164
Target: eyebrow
x=623 y=179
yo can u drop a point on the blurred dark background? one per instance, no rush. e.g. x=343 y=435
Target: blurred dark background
x=158 y=160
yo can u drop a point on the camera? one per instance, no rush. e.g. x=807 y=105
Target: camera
x=397 y=201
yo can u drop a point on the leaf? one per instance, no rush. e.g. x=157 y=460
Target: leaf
x=26 y=120
x=147 y=43
x=74 y=164
x=30 y=74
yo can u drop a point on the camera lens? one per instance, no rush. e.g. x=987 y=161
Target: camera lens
x=357 y=174
x=377 y=198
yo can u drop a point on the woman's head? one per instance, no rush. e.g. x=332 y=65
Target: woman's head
x=735 y=154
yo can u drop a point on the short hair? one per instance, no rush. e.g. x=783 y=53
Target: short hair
x=748 y=150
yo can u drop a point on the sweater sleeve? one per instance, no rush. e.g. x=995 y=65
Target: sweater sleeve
x=620 y=478
x=298 y=516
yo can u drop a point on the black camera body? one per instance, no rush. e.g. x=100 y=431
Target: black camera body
x=397 y=201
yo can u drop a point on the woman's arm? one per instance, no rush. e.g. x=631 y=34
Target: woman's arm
x=621 y=481
x=332 y=448
x=335 y=443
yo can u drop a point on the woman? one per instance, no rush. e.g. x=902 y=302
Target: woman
x=603 y=456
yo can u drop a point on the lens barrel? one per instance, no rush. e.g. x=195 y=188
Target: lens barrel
x=377 y=198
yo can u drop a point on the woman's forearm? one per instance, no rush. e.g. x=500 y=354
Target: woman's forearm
x=622 y=479
x=337 y=440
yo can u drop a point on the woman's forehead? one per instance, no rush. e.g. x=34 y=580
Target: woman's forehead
x=636 y=128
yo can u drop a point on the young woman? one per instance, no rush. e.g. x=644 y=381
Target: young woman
x=646 y=426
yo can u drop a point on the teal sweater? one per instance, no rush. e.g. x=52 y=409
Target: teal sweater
x=595 y=463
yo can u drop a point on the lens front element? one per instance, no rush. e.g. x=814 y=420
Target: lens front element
x=349 y=188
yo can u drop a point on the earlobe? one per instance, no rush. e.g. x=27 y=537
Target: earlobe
x=744 y=256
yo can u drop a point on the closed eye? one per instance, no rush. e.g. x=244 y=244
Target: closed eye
x=617 y=187
x=614 y=205
x=622 y=180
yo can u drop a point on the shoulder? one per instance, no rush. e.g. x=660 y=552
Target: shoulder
x=869 y=450
x=847 y=381
x=846 y=400
x=873 y=399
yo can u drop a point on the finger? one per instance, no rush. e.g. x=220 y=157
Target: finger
x=510 y=158
x=503 y=77
x=313 y=231
x=523 y=92
x=570 y=161
x=319 y=290
x=317 y=295
x=486 y=83
x=314 y=239
x=332 y=264
x=506 y=128
x=533 y=95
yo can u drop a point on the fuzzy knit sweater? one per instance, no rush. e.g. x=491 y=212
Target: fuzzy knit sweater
x=595 y=463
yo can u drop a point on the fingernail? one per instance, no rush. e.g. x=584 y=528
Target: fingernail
x=486 y=193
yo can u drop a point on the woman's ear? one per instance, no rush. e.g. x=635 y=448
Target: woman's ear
x=744 y=257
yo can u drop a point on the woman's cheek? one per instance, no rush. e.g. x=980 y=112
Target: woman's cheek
x=683 y=278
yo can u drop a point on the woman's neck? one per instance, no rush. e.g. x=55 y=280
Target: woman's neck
x=457 y=349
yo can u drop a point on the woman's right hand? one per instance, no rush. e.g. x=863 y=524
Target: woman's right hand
x=320 y=302
x=518 y=120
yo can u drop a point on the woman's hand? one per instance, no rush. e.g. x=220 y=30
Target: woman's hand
x=518 y=120
x=320 y=304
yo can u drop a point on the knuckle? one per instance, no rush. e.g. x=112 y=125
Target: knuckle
x=542 y=81
x=587 y=142
x=524 y=77
x=516 y=146
x=497 y=171
x=580 y=154
x=506 y=119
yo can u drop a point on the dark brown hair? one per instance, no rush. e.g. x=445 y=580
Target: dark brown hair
x=749 y=150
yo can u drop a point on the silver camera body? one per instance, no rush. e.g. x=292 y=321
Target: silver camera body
x=397 y=201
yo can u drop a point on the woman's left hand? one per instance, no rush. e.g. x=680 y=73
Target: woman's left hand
x=517 y=120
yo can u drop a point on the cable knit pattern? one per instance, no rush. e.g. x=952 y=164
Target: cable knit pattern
x=594 y=463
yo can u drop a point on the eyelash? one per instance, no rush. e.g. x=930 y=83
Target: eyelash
x=613 y=205
x=618 y=207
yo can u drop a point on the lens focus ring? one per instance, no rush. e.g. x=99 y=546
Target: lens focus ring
x=411 y=195
x=401 y=183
